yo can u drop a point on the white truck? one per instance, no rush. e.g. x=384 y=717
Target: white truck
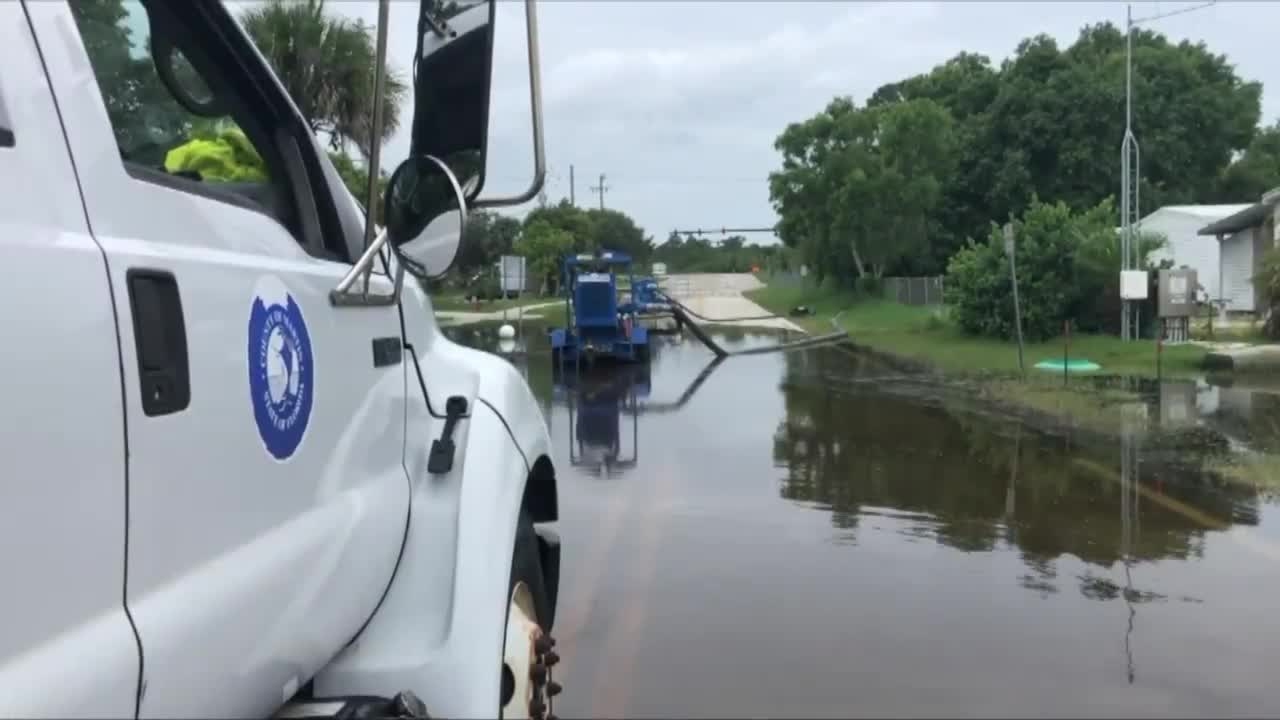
x=247 y=475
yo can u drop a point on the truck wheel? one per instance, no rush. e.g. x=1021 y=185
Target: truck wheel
x=527 y=657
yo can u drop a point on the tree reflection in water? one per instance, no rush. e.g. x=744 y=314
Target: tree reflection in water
x=980 y=484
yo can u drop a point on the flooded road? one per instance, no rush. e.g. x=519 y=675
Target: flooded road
x=816 y=535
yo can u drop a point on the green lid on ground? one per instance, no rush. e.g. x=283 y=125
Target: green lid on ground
x=1073 y=365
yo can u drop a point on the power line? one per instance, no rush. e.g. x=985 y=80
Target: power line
x=1171 y=13
x=725 y=231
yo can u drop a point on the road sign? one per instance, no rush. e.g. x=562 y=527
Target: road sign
x=511 y=274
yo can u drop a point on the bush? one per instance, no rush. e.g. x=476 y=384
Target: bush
x=484 y=288
x=869 y=287
x=1066 y=262
x=1268 y=283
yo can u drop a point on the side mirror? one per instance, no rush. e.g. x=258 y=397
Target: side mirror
x=425 y=215
x=425 y=205
x=453 y=71
x=453 y=74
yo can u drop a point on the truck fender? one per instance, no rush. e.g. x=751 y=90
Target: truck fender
x=461 y=536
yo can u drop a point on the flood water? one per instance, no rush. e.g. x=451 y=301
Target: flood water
x=814 y=534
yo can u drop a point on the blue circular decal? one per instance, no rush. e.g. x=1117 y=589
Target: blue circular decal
x=281 y=368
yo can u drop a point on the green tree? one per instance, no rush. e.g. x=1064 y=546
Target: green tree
x=326 y=64
x=1066 y=262
x=859 y=187
x=1267 y=280
x=567 y=217
x=615 y=230
x=1256 y=171
x=543 y=244
x=1048 y=122
x=488 y=237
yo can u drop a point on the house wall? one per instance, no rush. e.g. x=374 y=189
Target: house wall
x=1264 y=240
x=1184 y=246
x=1238 y=252
x=1261 y=243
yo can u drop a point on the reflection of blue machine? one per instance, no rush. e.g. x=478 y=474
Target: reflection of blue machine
x=596 y=403
x=596 y=324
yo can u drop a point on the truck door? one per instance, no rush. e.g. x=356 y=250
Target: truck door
x=267 y=494
x=66 y=646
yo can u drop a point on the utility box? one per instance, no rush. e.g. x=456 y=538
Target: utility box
x=1133 y=284
x=1176 y=302
x=1177 y=296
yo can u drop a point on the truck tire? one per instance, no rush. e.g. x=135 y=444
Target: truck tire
x=527 y=657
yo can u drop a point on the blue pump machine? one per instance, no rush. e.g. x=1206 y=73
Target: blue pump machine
x=597 y=324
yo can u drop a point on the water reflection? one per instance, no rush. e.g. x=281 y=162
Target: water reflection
x=945 y=473
x=899 y=549
x=597 y=401
x=980 y=484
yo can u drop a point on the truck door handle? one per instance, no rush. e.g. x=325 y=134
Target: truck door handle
x=160 y=338
x=440 y=460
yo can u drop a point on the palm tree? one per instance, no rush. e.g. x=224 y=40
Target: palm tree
x=326 y=64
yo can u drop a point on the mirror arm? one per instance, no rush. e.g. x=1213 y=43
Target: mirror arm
x=375 y=134
x=342 y=295
x=535 y=102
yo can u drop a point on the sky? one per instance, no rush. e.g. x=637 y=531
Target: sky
x=678 y=103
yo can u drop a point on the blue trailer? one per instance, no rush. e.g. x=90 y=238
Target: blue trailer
x=597 y=324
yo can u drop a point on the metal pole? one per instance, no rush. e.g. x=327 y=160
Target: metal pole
x=1128 y=66
x=1159 y=357
x=375 y=133
x=1130 y=172
x=601 y=188
x=573 y=198
x=1066 y=348
x=1017 y=309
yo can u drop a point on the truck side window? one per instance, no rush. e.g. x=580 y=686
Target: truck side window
x=219 y=152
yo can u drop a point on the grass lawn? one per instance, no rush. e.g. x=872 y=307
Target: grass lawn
x=924 y=333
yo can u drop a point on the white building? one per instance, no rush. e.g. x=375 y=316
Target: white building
x=1180 y=225
x=1244 y=238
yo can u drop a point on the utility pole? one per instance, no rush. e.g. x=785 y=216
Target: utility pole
x=573 y=200
x=1130 y=172
x=1010 y=250
x=1130 y=214
x=600 y=189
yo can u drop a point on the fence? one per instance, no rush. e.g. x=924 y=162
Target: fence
x=914 y=290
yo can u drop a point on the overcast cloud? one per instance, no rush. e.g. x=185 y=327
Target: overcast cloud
x=678 y=103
